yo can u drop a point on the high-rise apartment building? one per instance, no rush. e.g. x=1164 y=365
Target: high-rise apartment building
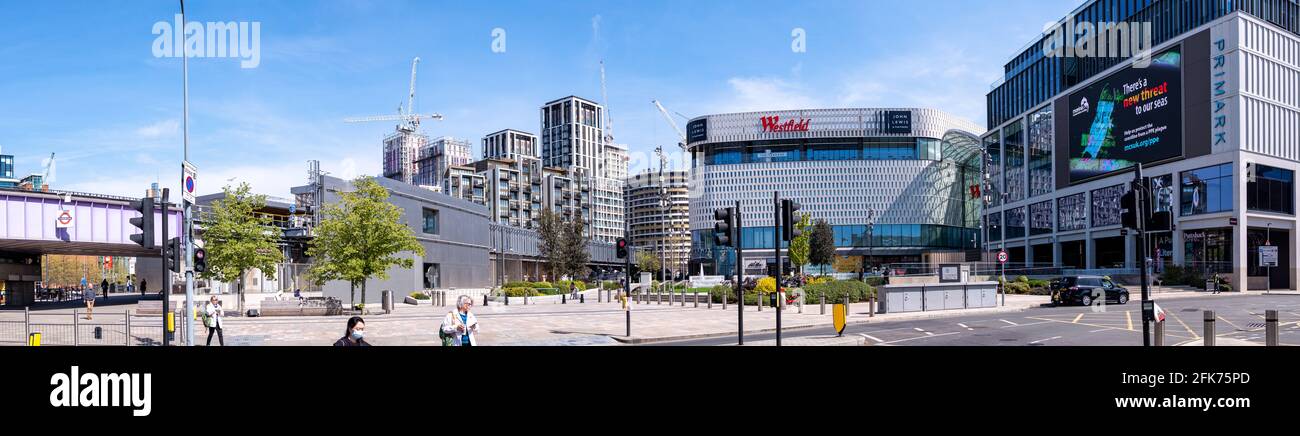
x=509 y=144
x=573 y=138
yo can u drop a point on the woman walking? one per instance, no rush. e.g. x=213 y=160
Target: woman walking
x=212 y=320
x=354 y=336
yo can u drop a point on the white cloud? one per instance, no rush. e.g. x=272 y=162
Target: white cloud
x=159 y=129
x=768 y=93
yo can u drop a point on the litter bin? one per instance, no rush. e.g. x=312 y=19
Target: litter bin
x=388 y=301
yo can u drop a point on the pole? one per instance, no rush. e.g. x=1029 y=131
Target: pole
x=188 y=211
x=1139 y=199
x=740 y=273
x=167 y=274
x=776 y=249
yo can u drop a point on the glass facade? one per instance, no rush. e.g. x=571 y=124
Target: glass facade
x=430 y=221
x=1041 y=140
x=887 y=148
x=1040 y=218
x=1207 y=190
x=993 y=146
x=1272 y=191
x=1031 y=78
x=1014 y=157
x=1072 y=212
x=1015 y=222
x=1105 y=206
x=995 y=226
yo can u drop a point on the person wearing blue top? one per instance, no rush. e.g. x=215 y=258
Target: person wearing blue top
x=461 y=325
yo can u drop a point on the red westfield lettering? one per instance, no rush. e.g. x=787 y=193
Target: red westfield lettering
x=774 y=124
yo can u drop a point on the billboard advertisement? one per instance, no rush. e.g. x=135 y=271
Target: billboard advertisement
x=1132 y=116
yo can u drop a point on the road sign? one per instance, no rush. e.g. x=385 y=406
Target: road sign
x=1159 y=312
x=840 y=312
x=64 y=220
x=1268 y=255
x=1002 y=257
x=188 y=174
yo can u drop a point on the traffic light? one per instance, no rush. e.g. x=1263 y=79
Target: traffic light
x=201 y=260
x=788 y=229
x=724 y=230
x=172 y=255
x=1128 y=209
x=145 y=222
x=621 y=244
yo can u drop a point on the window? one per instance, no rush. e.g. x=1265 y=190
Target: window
x=1207 y=190
x=431 y=221
x=995 y=226
x=1272 y=191
x=432 y=276
x=1040 y=218
x=1015 y=222
x=1041 y=142
x=833 y=152
x=993 y=146
x=1105 y=206
x=1013 y=141
x=1072 y=213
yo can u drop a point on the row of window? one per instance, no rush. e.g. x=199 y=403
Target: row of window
x=887 y=148
x=861 y=236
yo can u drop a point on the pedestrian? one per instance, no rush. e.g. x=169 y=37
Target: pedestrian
x=1216 y=283
x=573 y=292
x=89 y=297
x=212 y=315
x=144 y=283
x=103 y=285
x=355 y=334
x=460 y=328
x=130 y=287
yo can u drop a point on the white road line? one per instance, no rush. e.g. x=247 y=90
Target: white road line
x=1045 y=340
x=922 y=331
x=1027 y=324
x=1008 y=322
x=871 y=337
x=963 y=325
x=921 y=337
x=1100 y=330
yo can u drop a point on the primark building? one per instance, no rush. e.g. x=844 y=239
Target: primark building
x=892 y=182
x=1212 y=114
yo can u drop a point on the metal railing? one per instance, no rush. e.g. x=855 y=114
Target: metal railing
x=72 y=329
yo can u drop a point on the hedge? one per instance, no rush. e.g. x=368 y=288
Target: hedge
x=835 y=291
x=520 y=292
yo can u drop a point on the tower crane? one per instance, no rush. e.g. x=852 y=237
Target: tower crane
x=45 y=178
x=410 y=120
x=609 y=120
x=668 y=117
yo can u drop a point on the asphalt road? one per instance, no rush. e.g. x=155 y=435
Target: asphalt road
x=1237 y=316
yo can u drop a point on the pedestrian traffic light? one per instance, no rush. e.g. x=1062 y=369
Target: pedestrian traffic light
x=172 y=255
x=144 y=222
x=1128 y=209
x=201 y=260
x=724 y=229
x=788 y=229
x=621 y=244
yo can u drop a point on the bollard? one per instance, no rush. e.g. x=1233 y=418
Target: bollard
x=800 y=301
x=485 y=300
x=871 y=306
x=127 y=322
x=846 y=306
x=1209 y=328
x=821 y=297
x=76 y=328
x=758 y=300
x=507 y=300
x=34 y=339
x=724 y=300
x=582 y=298
x=683 y=298
x=1160 y=334
x=696 y=294
x=525 y=299
x=659 y=297
x=629 y=322
x=99 y=333
x=27 y=320
x=1270 y=328
x=562 y=299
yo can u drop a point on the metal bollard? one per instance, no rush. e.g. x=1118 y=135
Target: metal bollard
x=696 y=294
x=485 y=300
x=1160 y=333
x=507 y=300
x=846 y=306
x=27 y=320
x=525 y=299
x=1209 y=328
x=759 y=301
x=710 y=300
x=724 y=300
x=1270 y=328
x=582 y=298
x=659 y=297
x=562 y=299
x=683 y=298
x=127 y=322
x=821 y=297
x=76 y=328
x=871 y=306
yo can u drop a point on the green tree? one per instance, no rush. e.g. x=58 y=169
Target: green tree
x=551 y=230
x=800 y=246
x=238 y=239
x=647 y=262
x=361 y=237
x=822 y=244
x=575 y=249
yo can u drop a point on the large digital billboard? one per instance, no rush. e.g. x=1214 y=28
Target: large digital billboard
x=1132 y=116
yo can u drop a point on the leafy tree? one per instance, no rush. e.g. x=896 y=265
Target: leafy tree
x=575 y=249
x=238 y=239
x=800 y=246
x=550 y=230
x=361 y=237
x=647 y=262
x=822 y=244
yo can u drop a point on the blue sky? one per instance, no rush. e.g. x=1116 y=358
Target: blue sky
x=79 y=78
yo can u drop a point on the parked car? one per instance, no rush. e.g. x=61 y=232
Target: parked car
x=1084 y=290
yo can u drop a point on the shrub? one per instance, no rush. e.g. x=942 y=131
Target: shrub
x=419 y=295
x=835 y=291
x=875 y=281
x=540 y=285
x=1023 y=279
x=520 y=292
x=718 y=291
x=1040 y=284
x=518 y=285
x=564 y=284
x=766 y=285
x=611 y=284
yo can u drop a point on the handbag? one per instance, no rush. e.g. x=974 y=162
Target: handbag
x=447 y=339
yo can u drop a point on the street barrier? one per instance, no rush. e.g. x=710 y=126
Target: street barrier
x=1160 y=333
x=1209 y=328
x=821 y=300
x=1270 y=328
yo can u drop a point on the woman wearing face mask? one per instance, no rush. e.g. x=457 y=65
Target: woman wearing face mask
x=355 y=335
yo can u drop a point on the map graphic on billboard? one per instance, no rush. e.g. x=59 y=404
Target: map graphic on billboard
x=1130 y=117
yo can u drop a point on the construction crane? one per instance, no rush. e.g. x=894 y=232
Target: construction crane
x=668 y=117
x=45 y=178
x=609 y=120
x=410 y=120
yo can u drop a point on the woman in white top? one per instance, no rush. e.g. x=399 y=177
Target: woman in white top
x=212 y=319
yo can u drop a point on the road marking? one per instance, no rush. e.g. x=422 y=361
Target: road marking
x=963 y=325
x=922 y=331
x=1128 y=315
x=1077 y=318
x=1229 y=323
x=1101 y=330
x=1045 y=340
x=871 y=337
x=1028 y=324
x=1008 y=322
x=921 y=337
x=1189 y=329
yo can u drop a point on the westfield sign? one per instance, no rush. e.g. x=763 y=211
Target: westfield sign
x=774 y=124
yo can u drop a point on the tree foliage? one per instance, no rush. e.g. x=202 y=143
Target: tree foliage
x=800 y=246
x=563 y=244
x=238 y=239
x=822 y=244
x=361 y=237
x=647 y=262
